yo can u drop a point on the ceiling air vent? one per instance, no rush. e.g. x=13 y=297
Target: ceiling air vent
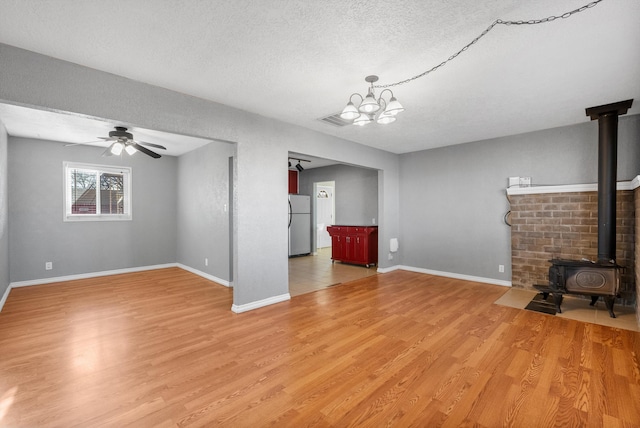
x=335 y=120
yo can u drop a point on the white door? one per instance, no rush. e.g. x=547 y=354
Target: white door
x=324 y=214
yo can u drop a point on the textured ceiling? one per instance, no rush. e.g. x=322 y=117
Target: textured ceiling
x=298 y=61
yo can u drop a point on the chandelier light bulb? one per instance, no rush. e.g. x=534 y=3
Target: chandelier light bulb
x=362 y=120
x=369 y=104
x=350 y=112
x=394 y=107
x=385 y=118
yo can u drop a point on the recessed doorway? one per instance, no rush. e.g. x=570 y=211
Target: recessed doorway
x=324 y=212
x=340 y=194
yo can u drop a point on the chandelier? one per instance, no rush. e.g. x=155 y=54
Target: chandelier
x=372 y=108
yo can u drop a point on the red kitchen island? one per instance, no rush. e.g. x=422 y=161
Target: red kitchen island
x=354 y=244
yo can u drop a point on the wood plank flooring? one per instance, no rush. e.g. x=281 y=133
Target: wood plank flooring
x=162 y=349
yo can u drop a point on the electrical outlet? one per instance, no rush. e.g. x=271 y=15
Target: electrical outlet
x=48 y=265
x=373 y=220
x=501 y=268
x=390 y=256
x=206 y=261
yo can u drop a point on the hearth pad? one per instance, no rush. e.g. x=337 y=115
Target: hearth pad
x=538 y=304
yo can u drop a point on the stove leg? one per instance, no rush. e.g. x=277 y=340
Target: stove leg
x=557 y=299
x=609 y=300
x=594 y=299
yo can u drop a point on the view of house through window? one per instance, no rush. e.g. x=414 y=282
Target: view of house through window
x=96 y=192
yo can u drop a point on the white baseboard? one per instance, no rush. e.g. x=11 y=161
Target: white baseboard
x=235 y=308
x=4 y=297
x=89 y=275
x=117 y=272
x=260 y=303
x=205 y=275
x=388 y=269
x=457 y=276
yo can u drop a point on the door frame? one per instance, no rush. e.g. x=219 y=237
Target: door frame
x=314 y=209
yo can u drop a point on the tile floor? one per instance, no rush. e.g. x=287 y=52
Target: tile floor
x=311 y=273
x=576 y=308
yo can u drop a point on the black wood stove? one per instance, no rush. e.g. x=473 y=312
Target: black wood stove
x=599 y=278
x=584 y=277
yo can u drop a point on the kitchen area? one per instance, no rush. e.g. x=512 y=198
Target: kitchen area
x=330 y=197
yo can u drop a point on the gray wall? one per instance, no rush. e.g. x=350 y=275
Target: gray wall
x=263 y=144
x=453 y=199
x=356 y=197
x=36 y=202
x=356 y=193
x=203 y=209
x=4 y=215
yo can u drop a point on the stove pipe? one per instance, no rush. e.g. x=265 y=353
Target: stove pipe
x=607 y=116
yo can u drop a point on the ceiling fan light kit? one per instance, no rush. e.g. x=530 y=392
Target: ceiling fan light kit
x=116 y=148
x=130 y=150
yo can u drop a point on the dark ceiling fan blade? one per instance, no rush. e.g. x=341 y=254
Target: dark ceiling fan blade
x=144 y=143
x=145 y=150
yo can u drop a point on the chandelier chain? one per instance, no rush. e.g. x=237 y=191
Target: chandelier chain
x=489 y=28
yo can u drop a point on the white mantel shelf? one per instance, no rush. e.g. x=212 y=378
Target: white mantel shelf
x=570 y=188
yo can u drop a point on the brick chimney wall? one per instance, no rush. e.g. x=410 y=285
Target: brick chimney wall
x=565 y=225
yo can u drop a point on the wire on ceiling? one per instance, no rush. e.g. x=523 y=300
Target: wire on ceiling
x=489 y=28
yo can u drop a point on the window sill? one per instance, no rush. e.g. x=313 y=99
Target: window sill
x=98 y=217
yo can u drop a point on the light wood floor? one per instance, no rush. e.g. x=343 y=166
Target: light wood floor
x=315 y=272
x=162 y=349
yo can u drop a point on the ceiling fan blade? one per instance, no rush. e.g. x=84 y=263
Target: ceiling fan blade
x=157 y=146
x=108 y=151
x=82 y=144
x=145 y=150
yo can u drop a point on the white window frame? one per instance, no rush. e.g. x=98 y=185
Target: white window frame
x=68 y=200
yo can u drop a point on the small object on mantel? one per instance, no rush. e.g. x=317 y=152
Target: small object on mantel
x=519 y=182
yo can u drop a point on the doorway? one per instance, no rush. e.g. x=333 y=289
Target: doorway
x=339 y=194
x=324 y=211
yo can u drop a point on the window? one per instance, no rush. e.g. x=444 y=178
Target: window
x=96 y=192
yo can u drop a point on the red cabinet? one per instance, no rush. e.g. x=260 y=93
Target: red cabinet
x=293 y=182
x=354 y=244
x=337 y=247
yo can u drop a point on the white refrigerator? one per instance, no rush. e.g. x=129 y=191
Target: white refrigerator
x=299 y=225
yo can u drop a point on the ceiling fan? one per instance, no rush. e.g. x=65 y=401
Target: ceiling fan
x=122 y=140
